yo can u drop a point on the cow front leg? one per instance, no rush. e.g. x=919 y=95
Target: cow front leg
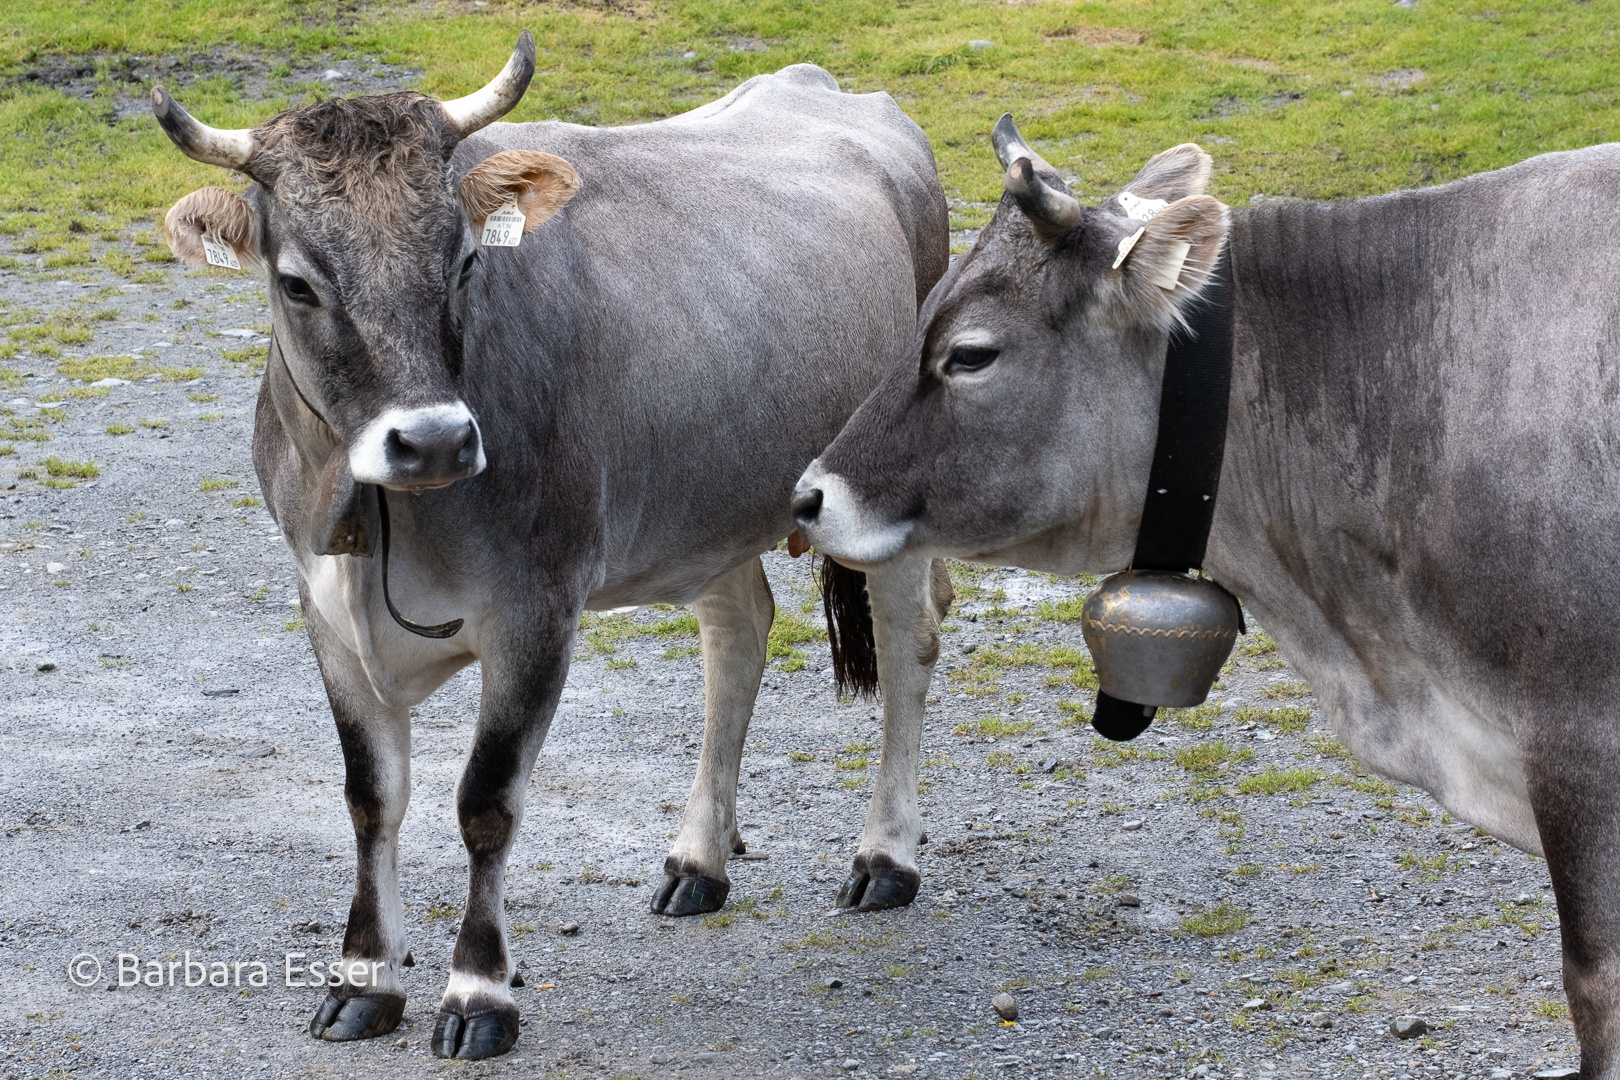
x=376 y=740
x=478 y=1016
x=734 y=621
x=909 y=598
x=1571 y=785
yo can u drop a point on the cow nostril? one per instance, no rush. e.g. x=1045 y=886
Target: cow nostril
x=806 y=506
x=469 y=447
x=402 y=450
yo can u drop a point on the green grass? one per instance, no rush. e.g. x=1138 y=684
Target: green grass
x=58 y=469
x=1296 y=98
x=787 y=631
x=214 y=483
x=1223 y=918
x=1274 y=781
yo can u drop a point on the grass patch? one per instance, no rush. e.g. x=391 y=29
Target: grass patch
x=1221 y=919
x=787 y=631
x=1289 y=719
x=120 y=429
x=71 y=470
x=244 y=501
x=215 y=483
x=997 y=726
x=96 y=368
x=1275 y=781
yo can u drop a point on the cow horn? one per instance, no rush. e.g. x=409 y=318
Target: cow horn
x=1010 y=145
x=1053 y=213
x=227 y=148
x=468 y=114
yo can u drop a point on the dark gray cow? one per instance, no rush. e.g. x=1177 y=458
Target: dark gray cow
x=611 y=413
x=1421 y=490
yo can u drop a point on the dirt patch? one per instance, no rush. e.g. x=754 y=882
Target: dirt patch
x=1404 y=79
x=1099 y=36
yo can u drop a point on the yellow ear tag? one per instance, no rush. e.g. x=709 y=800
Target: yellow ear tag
x=504 y=228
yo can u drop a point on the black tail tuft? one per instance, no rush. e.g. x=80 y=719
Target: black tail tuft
x=849 y=629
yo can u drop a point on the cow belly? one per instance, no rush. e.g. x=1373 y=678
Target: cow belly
x=1468 y=761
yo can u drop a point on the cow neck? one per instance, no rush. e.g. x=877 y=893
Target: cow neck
x=1182 y=483
x=438 y=631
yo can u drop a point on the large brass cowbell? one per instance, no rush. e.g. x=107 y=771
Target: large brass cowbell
x=1157 y=638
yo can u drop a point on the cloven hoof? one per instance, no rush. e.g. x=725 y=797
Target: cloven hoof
x=366 y=1017
x=689 y=895
x=877 y=882
x=472 y=1038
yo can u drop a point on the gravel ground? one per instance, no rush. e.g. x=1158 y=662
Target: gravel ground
x=171 y=785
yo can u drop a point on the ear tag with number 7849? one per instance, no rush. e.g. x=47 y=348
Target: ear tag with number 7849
x=504 y=228
x=219 y=253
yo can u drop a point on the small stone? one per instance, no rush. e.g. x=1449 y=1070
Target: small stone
x=1256 y=1005
x=1558 y=1074
x=1005 y=1006
x=981 y=43
x=1408 y=980
x=659 y=1059
x=568 y=929
x=333 y=75
x=851 y=1064
x=1319 y=1020
x=401 y=1043
x=55 y=567
x=968 y=650
x=903 y=1070
x=834 y=984
x=1128 y=900
x=1500 y=1073
x=259 y=751
x=1408 y=1027
x=45 y=665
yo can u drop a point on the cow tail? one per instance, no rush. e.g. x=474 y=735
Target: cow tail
x=849 y=629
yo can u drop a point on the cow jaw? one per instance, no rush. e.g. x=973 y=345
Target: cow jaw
x=416 y=449
x=836 y=521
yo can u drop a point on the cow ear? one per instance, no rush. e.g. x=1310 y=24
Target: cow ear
x=540 y=184
x=220 y=214
x=1170 y=175
x=1162 y=266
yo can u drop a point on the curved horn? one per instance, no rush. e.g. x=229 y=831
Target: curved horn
x=468 y=114
x=1053 y=213
x=1010 y=145
x=227 y=148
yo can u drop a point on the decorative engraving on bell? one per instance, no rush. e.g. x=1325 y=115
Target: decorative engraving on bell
x=1159 y=638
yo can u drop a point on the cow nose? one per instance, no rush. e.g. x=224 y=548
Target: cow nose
x=433 y=451
x=806 y=506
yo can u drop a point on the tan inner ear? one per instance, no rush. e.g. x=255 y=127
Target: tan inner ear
x=220 y=213
x=542 y=184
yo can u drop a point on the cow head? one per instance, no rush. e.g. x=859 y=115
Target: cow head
x=368 y=242
x=1020 y=427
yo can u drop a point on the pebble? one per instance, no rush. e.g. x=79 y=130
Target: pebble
x=1005 y=1006
x=568 y=929
x=834 y=984
x=1558 y=1074
x=1319 y=1020
x=45 y=665
x=903 y=1070
x=1408 y=1027
x=1128 y=900
x=1256 y=1005
x=55 y=567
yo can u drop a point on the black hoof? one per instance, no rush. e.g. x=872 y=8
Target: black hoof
x=357 y=1017
x=472 y=1038
x=877 y=883
x=677 y=895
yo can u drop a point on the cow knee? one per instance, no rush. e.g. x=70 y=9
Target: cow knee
x=487 y=829
x=940 y=590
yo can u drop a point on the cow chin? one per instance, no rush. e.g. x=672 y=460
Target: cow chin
x=417 y=449
x=841 y=525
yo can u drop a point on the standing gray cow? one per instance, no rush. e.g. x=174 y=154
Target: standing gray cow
x=1421 y=490
x=611 y=413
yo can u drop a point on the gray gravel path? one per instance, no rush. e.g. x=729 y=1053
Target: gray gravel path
x=173 y=784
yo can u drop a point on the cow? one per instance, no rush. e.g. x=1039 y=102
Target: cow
x=1420 y=493
x=497 y=438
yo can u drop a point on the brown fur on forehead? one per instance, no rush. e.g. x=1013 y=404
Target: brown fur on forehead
x=383 y=157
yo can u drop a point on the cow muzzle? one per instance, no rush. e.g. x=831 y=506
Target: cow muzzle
x=416 y=449
x=836 y=522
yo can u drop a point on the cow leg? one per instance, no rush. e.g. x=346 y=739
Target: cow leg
x=376 y=740
x=1571 y=782
x=478 y=1016
x=734 y=620
x=909 y=599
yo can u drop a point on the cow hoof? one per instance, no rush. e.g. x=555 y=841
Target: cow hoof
x=877 y=883
x=472 y=1038
x=695 y=895
x=344 y=1020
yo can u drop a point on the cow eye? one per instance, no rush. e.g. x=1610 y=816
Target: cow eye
x=968 y=359
x=466 y=269
x=297 y=289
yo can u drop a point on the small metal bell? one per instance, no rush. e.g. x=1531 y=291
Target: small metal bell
x=1158 y=639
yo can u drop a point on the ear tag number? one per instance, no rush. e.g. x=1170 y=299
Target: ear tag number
x=504 y=228
x=1139 y=209
x=219 y=253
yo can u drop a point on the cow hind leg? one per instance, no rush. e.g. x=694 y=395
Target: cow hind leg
x=909 y=598
x=734 y=621
x=1571 y=789
x=376 y=739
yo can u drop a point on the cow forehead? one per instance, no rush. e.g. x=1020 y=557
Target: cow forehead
x=358 y=165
